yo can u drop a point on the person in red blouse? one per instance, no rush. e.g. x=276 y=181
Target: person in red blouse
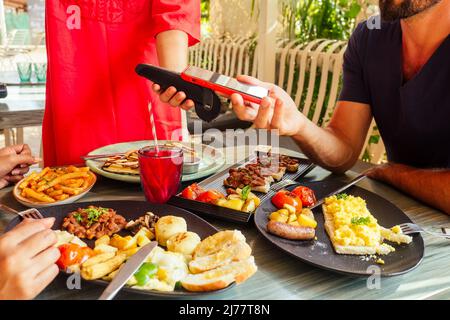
x=94 y=97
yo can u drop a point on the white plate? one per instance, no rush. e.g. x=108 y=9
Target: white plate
x=35 y=204
x=212 y=160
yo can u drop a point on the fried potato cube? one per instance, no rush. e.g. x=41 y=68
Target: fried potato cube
x=142 y=240
x=104 y=248
x=130 y=252
x=306 y=221
x=144 y=232
x=105 y=239
x=123 y=243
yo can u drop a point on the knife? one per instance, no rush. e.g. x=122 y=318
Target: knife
x=345 y=187
x=102 y=156
x=127 y=271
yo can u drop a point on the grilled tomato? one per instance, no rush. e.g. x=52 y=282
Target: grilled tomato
x=210 y=196
x=283 y=197
x=192 y=192
x=306 y=195
x=72 y=254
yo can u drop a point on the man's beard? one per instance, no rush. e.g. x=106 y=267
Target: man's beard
x=407 y=8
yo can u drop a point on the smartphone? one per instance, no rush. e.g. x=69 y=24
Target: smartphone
x=223 y=84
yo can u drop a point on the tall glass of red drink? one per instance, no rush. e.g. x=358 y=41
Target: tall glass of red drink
x=161 y=170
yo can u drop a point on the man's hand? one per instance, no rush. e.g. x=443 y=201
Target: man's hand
x=277 y=111
x=15 y=162
x=28 y=259
x=428 y=185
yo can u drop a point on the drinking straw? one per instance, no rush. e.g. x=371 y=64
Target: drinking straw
x=152 y=123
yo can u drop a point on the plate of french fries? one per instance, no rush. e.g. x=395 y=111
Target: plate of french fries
x=54 y=186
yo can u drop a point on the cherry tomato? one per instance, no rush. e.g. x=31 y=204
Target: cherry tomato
x=192 y=192
x=71 y=254
x=210 y=196
x=306 y=195
x=283 y=197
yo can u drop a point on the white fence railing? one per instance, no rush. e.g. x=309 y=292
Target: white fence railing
x=310 y=72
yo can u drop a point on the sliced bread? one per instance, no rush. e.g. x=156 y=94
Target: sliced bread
x=234 y=251
x=221 y=277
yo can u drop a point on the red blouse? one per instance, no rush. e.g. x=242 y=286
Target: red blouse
x=94 y=97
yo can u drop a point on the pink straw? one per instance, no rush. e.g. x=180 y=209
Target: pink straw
x=152 y=123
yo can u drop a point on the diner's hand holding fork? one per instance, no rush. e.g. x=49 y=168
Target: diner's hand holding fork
x=27 y=259
x=15 y=162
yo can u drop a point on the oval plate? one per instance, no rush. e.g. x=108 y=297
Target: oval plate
x=212 y=160
x=320 y=252
x=132 y=210
x=34 y=204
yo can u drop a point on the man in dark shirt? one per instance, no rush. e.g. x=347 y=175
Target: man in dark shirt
x=400 y=75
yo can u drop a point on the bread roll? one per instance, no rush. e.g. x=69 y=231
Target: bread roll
x=184 y=243
x=216 y=242
x=235 y=251
x=221 y=277
x=168 y=226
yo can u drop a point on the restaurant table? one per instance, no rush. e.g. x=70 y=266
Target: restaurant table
x=23 y=107
x=281 y=276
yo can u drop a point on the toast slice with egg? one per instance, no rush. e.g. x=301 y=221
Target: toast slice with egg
x=358 y=232
x=381 y=249
x=222 y=277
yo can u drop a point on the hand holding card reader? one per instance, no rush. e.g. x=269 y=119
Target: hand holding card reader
x=207 y=103
x=224 y=84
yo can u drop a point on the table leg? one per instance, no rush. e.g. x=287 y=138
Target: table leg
x=19 y=135
x=9 y=137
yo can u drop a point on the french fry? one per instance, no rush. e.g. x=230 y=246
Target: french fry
x=62 y=197
x=71 y=191
x=100 y=258
x=131 y=282
x=55 y=184
x=97 y=271
x=86 y=183
x=62 y=178
x=42 y=173
x=25 y=182
x=55 y=193
x=41 y=197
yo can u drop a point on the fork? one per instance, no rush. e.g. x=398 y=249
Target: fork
x=282 y=184
x=26 y=214
x=409 y=228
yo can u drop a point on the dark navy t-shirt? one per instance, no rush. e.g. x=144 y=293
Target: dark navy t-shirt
x=413 y=116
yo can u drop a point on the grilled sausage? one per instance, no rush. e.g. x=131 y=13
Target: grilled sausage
x=290 y=232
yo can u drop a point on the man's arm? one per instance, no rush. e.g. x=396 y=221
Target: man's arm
x=338 y=146
x=431 y=186
x=172 y=49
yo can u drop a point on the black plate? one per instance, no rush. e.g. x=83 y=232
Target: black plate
x=216 y=182
x=132 y=210
x=320 y=252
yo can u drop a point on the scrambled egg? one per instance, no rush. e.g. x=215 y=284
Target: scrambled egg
x=353 y=223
